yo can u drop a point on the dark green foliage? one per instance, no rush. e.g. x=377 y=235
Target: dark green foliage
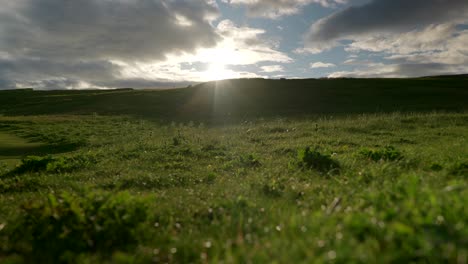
x=436 y=167
x=34 y=164
x=19 y=184
x=210 y=178
x=51 y=164
x=460 y=169
x=3 y=168
x=313 y=159
x=249 y=161
x=388 y=153
x=59 y=227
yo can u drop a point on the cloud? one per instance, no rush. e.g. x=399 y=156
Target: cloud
x=272 y=68
x=73 y=44
x=278 y=8
x=435 y=50
x=415 y=38
x=321 y=65
x=381 y=70
x=120 y=29
x=52 y=44
x=239 y=46
x=382 y=16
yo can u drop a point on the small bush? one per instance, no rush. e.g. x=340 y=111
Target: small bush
x=388 y=153
x=62 y=226
x=313 y=159
x=53 y=164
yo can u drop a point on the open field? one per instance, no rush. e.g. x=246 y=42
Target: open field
x=360 y=171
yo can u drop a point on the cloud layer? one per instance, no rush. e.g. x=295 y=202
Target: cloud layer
x=278 y=8
x=383 y=16
x=118 y=29
x=52 y=44
x=418 y=37
x=78 y=43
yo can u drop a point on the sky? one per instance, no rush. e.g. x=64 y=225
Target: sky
x=70 y=44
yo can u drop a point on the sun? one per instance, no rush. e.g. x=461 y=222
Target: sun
x=218 y=71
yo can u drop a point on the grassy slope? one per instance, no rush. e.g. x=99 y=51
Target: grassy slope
x=233 y=192
x=250 y=98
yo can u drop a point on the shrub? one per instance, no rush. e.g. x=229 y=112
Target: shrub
x=313 y=159
x=388 y=153
x=53 y=164
x=62 y=226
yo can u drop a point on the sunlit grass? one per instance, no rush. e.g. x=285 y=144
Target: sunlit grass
x=238 y=193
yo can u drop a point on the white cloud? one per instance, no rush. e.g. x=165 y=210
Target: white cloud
x=424 y=40
x=381 y=70
x=272 y=68
x=239 y=46
x=121 y=43
x=278 y=8
x=321 y=65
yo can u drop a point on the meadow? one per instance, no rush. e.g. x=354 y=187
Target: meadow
x=242 y=171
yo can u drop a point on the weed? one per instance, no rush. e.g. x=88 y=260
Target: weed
x=388 y=153
x=313 y=159
x=210 y=178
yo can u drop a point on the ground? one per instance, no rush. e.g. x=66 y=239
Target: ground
x=380 y=187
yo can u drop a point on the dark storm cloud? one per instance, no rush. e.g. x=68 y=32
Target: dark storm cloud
x=39 y=68
x=384 y=16
x=111 y=29
x=63 y=43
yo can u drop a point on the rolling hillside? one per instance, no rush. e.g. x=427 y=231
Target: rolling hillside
x=250 y=98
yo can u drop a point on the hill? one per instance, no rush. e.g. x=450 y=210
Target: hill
x=245 y=98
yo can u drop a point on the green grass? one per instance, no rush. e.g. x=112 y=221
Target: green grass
x=12 y=146
x=359 y=188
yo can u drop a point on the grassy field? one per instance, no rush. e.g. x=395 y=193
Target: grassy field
x=242 y=174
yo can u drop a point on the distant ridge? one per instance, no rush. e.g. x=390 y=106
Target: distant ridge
x=463 y=76
x=251 y=98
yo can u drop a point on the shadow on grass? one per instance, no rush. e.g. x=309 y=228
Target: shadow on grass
x=39 y=150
